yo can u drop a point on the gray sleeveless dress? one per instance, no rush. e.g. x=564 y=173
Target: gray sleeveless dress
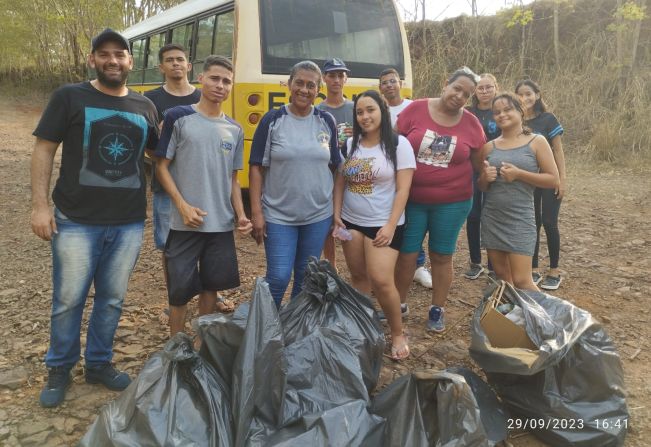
x=507 y=218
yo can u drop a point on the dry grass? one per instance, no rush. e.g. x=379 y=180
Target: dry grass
x=604 y=108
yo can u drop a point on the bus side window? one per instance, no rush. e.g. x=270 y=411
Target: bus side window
x=223 y=44
x=183 y=36
x=138 y=52
x=203 y=47
x=152 y=74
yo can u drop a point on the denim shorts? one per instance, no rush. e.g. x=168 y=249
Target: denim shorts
x=442 y=221
x=162 y=205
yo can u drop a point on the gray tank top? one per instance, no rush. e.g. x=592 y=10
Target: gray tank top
x=515 y=194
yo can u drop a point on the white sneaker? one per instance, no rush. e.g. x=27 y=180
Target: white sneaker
x=423 y=277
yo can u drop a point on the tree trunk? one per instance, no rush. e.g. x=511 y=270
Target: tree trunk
x=619 y=21
x=523 y=44
x=557 y=50
x=636 y=42
x=424 y=30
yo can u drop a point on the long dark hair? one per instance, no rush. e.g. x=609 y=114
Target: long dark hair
x=388 y=139
x=516 y=104
x=539 y=106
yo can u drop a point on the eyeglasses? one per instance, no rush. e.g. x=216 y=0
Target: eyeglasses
x=488 y=88
x=389 y=82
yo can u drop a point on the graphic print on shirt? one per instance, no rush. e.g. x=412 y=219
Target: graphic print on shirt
x=360 y=175
x=113 y=144
x=492 y=128
x=436 y=150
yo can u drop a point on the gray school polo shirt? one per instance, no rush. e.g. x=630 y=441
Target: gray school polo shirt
x=204 y=152
x=297 y=153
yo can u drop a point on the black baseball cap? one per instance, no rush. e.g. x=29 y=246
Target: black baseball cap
x=335 y=64
x=108 y=35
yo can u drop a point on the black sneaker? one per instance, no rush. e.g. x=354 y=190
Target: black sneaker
x=474 y=271
x=58 y=381
x=108 y=376
x=536 y=277
x=404 y=311
x=551 y=282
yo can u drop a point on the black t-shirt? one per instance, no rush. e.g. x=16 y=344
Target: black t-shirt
x=102 y=177
x=487 y=122
x=546 y=125
x=163 y=102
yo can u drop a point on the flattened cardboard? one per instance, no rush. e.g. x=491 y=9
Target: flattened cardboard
x=502 y=332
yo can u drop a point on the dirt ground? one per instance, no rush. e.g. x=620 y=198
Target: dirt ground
x=606 y=234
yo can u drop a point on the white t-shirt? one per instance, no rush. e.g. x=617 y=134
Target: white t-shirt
x=395 y=111
x=371 y=183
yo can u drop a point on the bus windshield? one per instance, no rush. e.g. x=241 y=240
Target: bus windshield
x=365 y=34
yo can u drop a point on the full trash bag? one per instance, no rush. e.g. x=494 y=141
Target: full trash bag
x=492 y=412
x=260 y=371
x=569 y=391
x=297 y=383
x=328 y=301
x=430 y=409
x=222 y=336
x=176 y=400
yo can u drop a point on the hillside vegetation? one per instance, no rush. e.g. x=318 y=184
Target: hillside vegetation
x=600 y=87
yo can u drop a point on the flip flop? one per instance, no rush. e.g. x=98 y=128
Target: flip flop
x=224 y=305
x=396 y=349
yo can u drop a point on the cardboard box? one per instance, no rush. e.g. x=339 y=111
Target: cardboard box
x=502 y=332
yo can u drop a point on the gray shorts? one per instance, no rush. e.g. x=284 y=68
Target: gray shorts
x=199 y=261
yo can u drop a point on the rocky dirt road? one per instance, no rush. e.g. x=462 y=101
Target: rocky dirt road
x=606 y=230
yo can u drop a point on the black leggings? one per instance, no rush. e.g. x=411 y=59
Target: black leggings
x=547 y=208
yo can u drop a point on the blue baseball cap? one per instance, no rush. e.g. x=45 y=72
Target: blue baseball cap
x=335 y=64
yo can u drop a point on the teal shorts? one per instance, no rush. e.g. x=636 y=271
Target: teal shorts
x=442 y=221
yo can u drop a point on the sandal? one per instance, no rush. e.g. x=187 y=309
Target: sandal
x=224 y=305
x=397 y=349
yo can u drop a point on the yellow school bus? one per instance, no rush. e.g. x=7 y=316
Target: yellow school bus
x=265 y=38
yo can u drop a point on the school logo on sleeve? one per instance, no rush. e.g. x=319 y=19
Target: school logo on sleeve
x=113 y=145
x=436 y=150
x=227 y=146
x=324 y=140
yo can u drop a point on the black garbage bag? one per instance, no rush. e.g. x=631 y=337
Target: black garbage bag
x=430 y=409
x=176 y=400
x=287 y=384
x=568 y=392
x=349 y=424
x=323 y=372
x=260 y=371
x=492 y=412
x=326 y=301
x=221 y=336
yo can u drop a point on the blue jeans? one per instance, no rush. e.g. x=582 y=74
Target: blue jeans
x=162 y=205
x=83 y=254
x=289 y=247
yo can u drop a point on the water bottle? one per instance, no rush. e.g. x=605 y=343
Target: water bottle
x=342 y=234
